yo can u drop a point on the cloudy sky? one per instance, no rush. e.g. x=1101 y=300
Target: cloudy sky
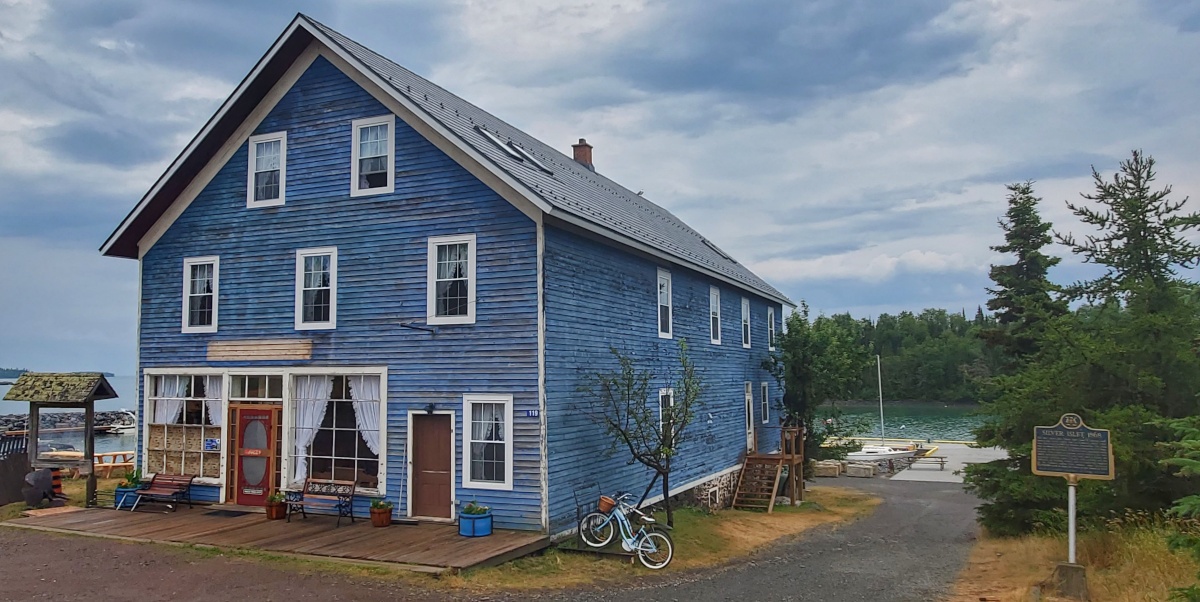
x=853 y=152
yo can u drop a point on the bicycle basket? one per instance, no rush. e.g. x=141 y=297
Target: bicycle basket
x=607 y=503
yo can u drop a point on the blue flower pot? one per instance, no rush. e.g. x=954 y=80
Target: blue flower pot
x=124 y=497
x=475 y=525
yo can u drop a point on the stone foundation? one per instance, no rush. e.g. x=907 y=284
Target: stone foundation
x=714 y=494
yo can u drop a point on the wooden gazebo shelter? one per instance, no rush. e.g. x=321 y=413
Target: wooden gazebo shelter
x=78 y=390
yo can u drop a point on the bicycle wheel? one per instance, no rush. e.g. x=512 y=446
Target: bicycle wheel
x=596 y=529
x=656 y=550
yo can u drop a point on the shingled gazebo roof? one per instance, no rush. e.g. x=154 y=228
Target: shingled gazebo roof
x=60 y=388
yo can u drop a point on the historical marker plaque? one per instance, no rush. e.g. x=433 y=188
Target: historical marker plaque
x=1072 y=449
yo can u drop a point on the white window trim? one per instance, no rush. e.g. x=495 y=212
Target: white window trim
x=254 y=140
x=188 y=262
x=770 y=328
x=289 y=415
x=745 y=323
x=664 y=273
x=714 y=302
x=333 y=288
x=765 y=406
x=145 y=417
x=431 y=316
x=670 y=393
x=748 y=390
x=355 y=128
x=509 y=442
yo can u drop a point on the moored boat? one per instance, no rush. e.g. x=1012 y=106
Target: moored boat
x=871 y=453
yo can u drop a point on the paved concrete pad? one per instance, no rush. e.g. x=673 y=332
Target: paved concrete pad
x=957 y=456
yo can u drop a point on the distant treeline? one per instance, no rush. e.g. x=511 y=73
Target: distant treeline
x=934 y=355
x=12 y=372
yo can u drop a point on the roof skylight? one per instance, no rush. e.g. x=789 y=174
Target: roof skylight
x=529 y=157
x=718 y=251
x=502 y=146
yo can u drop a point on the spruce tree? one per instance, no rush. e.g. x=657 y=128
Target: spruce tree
x=1023 y=297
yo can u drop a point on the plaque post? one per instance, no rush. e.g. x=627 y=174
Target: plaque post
x=1072 y=480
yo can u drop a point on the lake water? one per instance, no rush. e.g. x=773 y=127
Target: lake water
x=126 y=387
x=917 y=420
x=906 y=420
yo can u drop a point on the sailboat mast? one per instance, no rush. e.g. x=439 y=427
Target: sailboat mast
x=879 y=377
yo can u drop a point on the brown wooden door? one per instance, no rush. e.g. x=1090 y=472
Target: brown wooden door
x=255 y=456
x=432 y=469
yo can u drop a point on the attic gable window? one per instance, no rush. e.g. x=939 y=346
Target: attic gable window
x=267 y=173
x=200 y=281
x=451 y=280
x=664 y=304
x=372 y=161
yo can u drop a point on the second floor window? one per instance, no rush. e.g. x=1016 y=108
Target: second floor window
x=372 y=157
x=745 y=322
x=316 y=288
x=451 y=280
x=200 y=282
x=714 y=312
x=771 y=329
x=268 y=170
x=664 y=303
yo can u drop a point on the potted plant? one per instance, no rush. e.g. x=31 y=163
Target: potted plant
x=381 y=512
x=475 y=520
x=276 y=508
x=125 y=494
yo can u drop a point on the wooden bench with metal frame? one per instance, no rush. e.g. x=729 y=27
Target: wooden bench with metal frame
x=323 y=494
x=174 y=488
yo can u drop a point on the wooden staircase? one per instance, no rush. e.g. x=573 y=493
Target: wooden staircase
x=758 y=482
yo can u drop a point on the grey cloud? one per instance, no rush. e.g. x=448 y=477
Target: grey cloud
x=778 y=56
x=107 y=141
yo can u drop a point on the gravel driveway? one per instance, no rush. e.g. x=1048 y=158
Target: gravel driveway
x=911 y=548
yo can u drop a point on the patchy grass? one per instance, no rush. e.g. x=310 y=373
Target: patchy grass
x=701 y=540
x=75 y=490
x=1125 y=565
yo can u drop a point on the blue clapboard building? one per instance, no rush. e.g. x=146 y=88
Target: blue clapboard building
x=352 y=274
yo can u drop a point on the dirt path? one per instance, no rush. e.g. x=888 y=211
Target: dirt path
x=911 y=548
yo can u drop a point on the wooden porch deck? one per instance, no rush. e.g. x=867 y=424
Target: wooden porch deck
x=427 y=547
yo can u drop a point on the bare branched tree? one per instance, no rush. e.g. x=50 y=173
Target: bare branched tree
x=651 y=425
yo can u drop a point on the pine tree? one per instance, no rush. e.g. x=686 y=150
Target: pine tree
x=1141 y=237
x=1023 y=298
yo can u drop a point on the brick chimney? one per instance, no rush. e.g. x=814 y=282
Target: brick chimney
x=583 y=154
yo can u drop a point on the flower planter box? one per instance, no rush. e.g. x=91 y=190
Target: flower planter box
x=475 y=525
x=381 y=517
x=124 y=497
x=276 y=511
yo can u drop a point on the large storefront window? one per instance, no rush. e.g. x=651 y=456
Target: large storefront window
x=184 y=433
x=336 y=428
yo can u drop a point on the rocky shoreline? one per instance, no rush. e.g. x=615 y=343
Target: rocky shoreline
x=61 y=420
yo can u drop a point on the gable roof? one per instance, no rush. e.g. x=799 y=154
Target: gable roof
x=564 y=189
x=60 y=387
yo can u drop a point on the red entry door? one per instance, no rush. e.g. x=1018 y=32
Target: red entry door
x=255 y=456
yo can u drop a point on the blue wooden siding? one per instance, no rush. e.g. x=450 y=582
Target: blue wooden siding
x=597 y=297
x=382 y=253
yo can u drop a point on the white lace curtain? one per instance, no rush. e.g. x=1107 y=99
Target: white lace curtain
x=212 y=399
x=364 y=390
x=168 y=407
x=312 y=396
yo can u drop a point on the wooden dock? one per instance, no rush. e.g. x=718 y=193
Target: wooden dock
x=426 y=547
